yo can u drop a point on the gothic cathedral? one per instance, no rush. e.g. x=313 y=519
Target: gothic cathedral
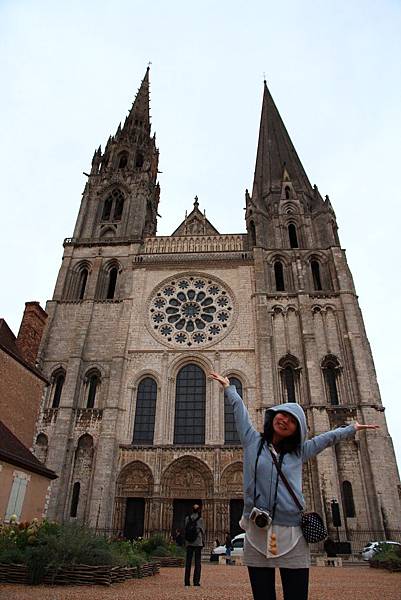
x=131 y=423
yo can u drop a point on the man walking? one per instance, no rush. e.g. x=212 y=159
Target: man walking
x=194 y=541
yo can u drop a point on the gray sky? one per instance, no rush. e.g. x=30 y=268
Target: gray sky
x=70 y=71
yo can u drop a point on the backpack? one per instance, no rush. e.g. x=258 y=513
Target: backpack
x=191 y=529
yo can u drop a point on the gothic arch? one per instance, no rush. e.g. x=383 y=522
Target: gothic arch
x=231 y=480
x=181 y=361
x=316 y=255
x=330 y=360
x=278 y=257
x=92 y=387
x=77 y=280
x=289 y=359
x=108 y=189
x=135 y=480
x=187 y=476
x=145 y=373
x=109 y=280
x=57 y=383
x=238 y=374
x=289 y=370
x=290 y=207
x=277 y=309
x=331 y=369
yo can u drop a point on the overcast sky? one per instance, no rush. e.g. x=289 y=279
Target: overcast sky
x=70 y=71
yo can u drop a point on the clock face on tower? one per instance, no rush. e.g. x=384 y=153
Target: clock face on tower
x=191 y=310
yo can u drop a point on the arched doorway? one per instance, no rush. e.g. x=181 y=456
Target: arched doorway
x=134 y=490
x=185 y=482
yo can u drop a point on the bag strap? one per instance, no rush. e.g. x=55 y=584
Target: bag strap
x=287 y=485
x=255 y=497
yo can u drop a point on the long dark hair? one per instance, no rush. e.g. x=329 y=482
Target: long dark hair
x=286 y=445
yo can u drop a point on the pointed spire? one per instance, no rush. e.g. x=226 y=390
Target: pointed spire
x=140 y=108
x=276 y=153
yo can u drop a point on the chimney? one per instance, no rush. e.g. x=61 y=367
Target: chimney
x=31 y=331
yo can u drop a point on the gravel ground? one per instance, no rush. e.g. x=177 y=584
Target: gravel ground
x=220 y=582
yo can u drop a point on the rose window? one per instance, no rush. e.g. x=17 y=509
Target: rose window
x=190 y=311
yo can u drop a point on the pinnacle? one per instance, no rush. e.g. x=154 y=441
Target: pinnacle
x=140 y=108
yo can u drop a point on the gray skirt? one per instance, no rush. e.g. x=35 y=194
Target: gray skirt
x=297 y=558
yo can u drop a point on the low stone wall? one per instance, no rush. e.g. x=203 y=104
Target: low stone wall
x=80 y=574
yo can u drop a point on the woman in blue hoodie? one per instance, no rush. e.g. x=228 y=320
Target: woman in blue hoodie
x=279 y=543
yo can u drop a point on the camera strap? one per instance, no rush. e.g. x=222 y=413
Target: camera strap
x=256 y=496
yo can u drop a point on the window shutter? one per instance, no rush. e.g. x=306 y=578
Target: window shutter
x=17 y=496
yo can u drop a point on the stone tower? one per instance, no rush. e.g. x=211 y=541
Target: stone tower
x=134 y=428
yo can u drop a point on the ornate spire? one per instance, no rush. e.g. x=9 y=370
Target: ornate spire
x=275 y=153
x=139 y=115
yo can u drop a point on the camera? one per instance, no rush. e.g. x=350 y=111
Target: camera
x=261 y=518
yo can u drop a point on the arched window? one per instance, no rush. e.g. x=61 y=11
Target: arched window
x=83 y=279
x=292 y=234
x=139 y=160
x=122 y=160
x=330 y=368
x=111 y=288
x=92 y=386
x=58 y=382
x=230 y=429
x=107 y=208
x=41 y=447
x=252 y=234
x=348 y=495
x=289 y=381
x=287 y=192
x=317 y=282
x=75 y=499
x=289 y=368
x=145 y=412
x=113 y=205
x=190 y=405
x=279 y=276
x=118 y=209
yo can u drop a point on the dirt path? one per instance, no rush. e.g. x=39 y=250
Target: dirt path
x=221 y=582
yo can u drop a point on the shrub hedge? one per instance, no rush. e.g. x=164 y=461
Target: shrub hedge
x=44 y=546
x=388 y=556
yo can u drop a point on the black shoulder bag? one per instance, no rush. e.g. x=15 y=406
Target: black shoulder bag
x=312 y=525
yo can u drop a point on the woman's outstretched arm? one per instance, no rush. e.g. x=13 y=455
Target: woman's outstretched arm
x=324 y=440
x=246 y=430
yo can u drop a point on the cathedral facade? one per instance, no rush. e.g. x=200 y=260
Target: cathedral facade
x=131 y=422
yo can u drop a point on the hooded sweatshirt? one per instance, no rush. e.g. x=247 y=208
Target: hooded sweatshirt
x=286 y=512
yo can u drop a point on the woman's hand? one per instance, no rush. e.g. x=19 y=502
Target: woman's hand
x=360 y=427
x=223 y=380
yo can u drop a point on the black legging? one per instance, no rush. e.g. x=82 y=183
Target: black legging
x=294 y=582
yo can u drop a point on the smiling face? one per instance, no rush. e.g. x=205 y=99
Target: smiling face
x=284 y=426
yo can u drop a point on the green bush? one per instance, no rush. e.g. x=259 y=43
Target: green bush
x=149 y=545
x=161 y=551
x=11 y=555
x=49 y=546
x=388 y=556
x=156 y=545
x=126 y=554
